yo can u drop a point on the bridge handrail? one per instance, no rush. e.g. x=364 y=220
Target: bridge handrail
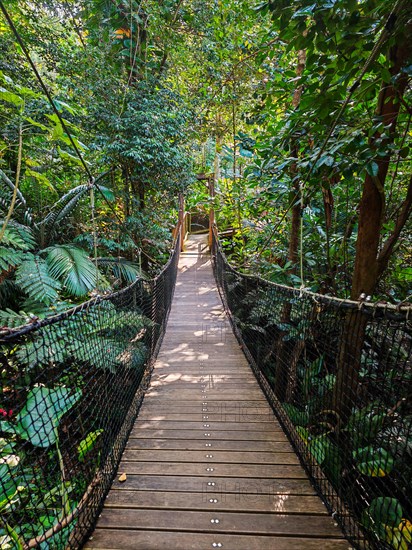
x=336 y=373
x=72 y=387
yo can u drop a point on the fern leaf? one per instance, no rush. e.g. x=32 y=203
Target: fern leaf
x=121 y=268
x=73 y=268
x=52 y=351
x=34 y=278
x=103 y=353
x=65 y=206
x=12 y=319
x=42 y=310
x=9 y=258
x=18 y=236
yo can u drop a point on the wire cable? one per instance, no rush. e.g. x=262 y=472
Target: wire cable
x=92 y=180
x=44 y=87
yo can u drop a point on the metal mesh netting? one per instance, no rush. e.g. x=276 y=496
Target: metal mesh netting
x=71 y=387
x=339 y=377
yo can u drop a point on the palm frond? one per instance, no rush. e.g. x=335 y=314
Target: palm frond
x=54 y=349
x=6 y=181
x=100 y=351
x=12 y=319
x=71 y=265
x=122 y=269
x=9 y=259
x=65 y=206
x=18 y=236
x=41 y=310
x=35 y=279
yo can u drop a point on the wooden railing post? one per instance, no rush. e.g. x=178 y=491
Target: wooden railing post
x=181 y=221
x=211 y=183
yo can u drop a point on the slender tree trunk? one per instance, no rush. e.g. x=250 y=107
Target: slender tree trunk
x=284 y=384
x=293 y=253
x=126 y=192
x=371 y=216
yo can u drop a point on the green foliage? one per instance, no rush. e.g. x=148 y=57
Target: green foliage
x=35 y=279
x=87 y=444
x=10 y=485
x=73 y=267
x=120 y=268
x=373 y=462
x=384 y=517
x=107 y=340
x=38 y=421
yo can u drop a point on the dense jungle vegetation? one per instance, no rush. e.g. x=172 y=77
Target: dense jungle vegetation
x=292 y=121
x=300 y=110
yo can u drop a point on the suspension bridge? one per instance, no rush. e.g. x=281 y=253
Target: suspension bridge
x=207 y=465
x=230 y=436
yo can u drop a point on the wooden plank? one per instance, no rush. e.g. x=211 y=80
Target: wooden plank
x=221 y=410
x=224 y=522
x=281 y=504
x=237 y=485
x=206 y=394
x=209 y=436
x=198 y=414
x=199 y=444
x=219 y=457
x=212 y=469
x=207 y=425
x=216 y=405
x=208 y=383
x=237 y=378
x=113 y=539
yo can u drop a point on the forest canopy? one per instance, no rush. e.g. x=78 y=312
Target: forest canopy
x=300 y=112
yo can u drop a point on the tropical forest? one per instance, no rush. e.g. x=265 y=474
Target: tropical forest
x=280 y=133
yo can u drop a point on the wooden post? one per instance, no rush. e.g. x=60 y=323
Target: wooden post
x=211 y=184
x=181 y=221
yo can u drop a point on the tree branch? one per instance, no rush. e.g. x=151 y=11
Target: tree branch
x=403 y=216
x=12 y=187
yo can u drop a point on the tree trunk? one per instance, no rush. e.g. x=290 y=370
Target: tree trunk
x=284 y=384
x=371 y=216
x=293 y=253
x=126 y=192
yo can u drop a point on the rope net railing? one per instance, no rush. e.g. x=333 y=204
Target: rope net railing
x=71 y=387
x=338 y=375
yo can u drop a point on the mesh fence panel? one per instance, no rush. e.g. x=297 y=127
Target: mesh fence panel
x=338 y=375
x=71 y=389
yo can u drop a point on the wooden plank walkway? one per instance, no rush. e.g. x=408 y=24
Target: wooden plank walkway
x=207 y=464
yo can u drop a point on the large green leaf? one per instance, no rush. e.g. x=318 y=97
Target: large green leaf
x=373 y=462
x=37 y=281
x=72 y=266
x=121 y=268
x=384 y=510
x=11 y=97
x=37 y=422
x=88 y=443
x=10 y=486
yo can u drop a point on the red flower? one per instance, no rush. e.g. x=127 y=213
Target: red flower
x=6 y=414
